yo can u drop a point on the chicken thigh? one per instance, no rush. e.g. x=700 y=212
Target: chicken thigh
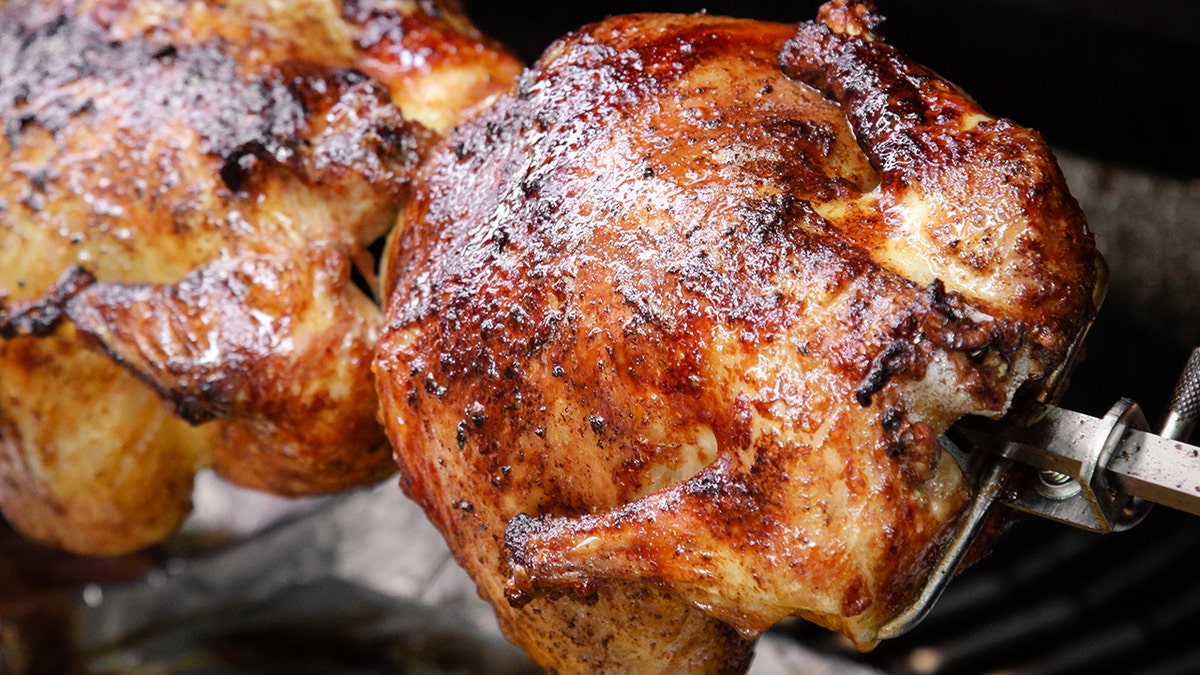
x=188 y=189
x=674 y=327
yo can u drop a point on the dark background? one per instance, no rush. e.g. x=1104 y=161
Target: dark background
x=1112 y=78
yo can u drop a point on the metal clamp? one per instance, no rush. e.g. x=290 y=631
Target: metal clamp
x=989 y=472
x=1070 y=486
x=1072 y=457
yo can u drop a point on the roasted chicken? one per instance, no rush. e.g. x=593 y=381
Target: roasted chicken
x=674 y=327
x=188 y=188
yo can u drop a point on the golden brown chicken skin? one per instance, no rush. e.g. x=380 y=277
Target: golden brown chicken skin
x=188 y=189
x=674 y=327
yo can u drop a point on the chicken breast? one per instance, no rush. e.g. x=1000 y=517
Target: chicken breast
x=189 y=188
x=674 y=327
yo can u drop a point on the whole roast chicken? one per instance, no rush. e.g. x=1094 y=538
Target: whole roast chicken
x=188 y=190
x=674 y=326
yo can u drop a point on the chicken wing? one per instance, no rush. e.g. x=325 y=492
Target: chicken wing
x=189 y=188
x=674 y=327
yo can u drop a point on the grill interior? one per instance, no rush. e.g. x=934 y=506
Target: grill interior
x=1055 y=600
x=1102 y=83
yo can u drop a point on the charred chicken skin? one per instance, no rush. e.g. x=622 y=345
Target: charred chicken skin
x=674 y=327
x=188 y=187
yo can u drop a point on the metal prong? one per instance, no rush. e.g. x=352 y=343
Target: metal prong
x=989 y=478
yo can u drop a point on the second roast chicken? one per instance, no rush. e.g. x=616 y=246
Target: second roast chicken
x=187 y=190
x=674 y=327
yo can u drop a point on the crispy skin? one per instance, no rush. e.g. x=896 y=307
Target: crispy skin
x=668 y=351
x=439 y=67
x=188 y=189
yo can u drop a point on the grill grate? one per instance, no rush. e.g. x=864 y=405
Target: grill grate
x=1055 y=600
